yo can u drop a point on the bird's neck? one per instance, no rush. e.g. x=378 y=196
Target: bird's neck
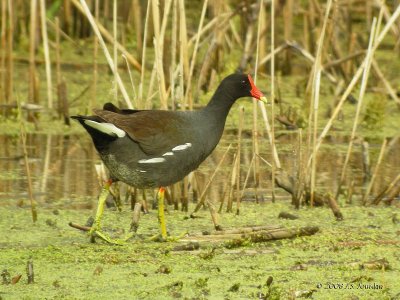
x=220 y=104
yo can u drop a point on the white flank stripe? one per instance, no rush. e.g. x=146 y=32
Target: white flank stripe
x=106 y=128
x=154 y=160
x=182 y=147
x=168 y=154
x=141 y=171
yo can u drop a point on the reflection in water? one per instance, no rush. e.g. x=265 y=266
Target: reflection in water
x=62 y=167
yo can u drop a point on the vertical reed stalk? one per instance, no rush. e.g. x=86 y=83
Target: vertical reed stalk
x=9 y=49
x=174 y=33
x=232 y=184
x=92 y=100
x=375 y=173
x=183 y=51
x=238 y=160
x=188 y=96
x=131 y=79
x=32 y=48
x=106 y=52
x=353 y=82
x=158 y=49
x=299 y=185
x=146 y=26
x=255 y=141
x=115 y=50
x=3 y=46
x=359 y=104
x=58 y=54
x=386 y=191
x=272 y=96
x=45 y=173
x=46 y=54
x=247 y=176
x=137 y=19
x=26 y=161
x=315 y=94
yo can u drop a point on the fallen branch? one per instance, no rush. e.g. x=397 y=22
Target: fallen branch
x=231 y=239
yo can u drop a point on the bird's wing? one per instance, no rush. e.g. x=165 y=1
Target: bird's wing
x=156 y=132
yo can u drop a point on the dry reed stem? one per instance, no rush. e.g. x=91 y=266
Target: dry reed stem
x=359 y=104
x=193 y=61
x=388 y=86
x=174 y=33
x=63 y=34
x=115 y=50
x=9 y=51
x=32 y=39
x=183 y=51
x=131 y=79
x=386 y=13
x=143 y=69
x=386 y=191
x=272 y=96
x=315 y=92
x=375 y=173
x=267 y=58
x=247 y=176
x=92 y=100
x=210 y=25
x=353 y=82
x=3 y=46
x=238 y=160
x=255 y=141
x=105 y=33
x=46 y=54
x=137 y=16
x=299 y=185
x=232 y=184
x=46 y=164
x=95 y=27
x=203 y=193
x=262 y=107
x=311 y=58
x=22 y=132
x=159 y=48
x=58 y=52
x=268 y=129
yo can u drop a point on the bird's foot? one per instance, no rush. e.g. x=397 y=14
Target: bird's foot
x=167 y=238
x=94 y=232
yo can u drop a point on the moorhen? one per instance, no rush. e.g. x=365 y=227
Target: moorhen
x=156 y=148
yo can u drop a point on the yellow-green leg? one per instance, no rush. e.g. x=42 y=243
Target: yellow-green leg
x=95 y=231
x=161 y=219
x=161 y=215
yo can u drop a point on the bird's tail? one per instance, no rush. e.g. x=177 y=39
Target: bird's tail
x=101 y=132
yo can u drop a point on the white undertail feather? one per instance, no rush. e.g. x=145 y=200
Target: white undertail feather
x=106 y=128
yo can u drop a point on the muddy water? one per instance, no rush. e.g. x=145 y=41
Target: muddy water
x=62 y=167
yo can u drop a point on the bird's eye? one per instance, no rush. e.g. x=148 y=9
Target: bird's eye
x=243 y=81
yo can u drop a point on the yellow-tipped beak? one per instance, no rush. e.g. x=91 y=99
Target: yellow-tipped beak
x=264 y=99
